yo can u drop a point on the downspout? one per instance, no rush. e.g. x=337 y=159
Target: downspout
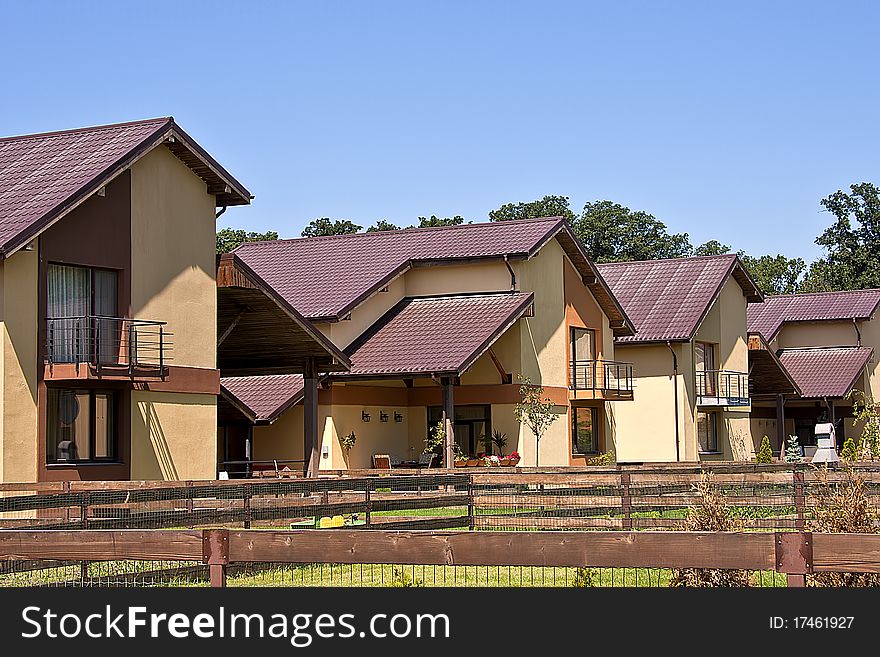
x=512 y=273
x=858 y=333
x=222 y=210
x=675 y=393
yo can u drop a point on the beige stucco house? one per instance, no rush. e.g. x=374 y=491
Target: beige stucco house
x=690 y=358
x=438 y=324
x=826 y=343
x=108 y=303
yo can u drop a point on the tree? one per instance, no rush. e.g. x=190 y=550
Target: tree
x=535 y=410
x=433 y=221
x=852 y=242
x=711 y=248
x=612 y=233
x=382 y=224
x=230 y=238
x=325 y=226
x=793 y=450
x=765 y=454
x=775 y=274
x=549 y=206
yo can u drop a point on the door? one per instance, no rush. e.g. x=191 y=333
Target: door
x=583 y=357
x=704 y=364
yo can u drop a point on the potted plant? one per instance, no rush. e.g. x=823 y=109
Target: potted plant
x=493 y=461
x=499 y=439
x=348 y=441
x=513 y=458
x=473 y=460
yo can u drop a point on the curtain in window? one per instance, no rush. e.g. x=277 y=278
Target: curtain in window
x=107 y=332
x=68 y=304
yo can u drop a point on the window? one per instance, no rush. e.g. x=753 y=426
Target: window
x=583 y=344
x=73 y=294
x=584 y=431
x=471 y=424
x=80 y=425
x=704 y=364
x=707 y=431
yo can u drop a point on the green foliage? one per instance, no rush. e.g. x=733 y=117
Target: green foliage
x=535 y=411
x=852 y=242
x=325 y=226
x=230 y=238
x=793 y=450
x=499 y=439
x=765 y=454
x=435 y=440
x=865 y=412
x=848 y=453
x=400 y=578
x=549 y=206
x=605 y=458
x=382 y=224
x=348 y=441
x=585 y=578
x=434 y=221
x=775 y=274
x=711 y=248
x=612 y=233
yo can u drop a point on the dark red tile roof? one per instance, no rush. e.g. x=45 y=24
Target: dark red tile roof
x=324 y=278
x=768 y=317
x=825 y=371
x=42 y=176
x=265 y=397
x=435 y=335
x=667 y=299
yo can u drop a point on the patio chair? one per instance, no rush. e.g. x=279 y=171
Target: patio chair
x=427 y=459
x=381 y=462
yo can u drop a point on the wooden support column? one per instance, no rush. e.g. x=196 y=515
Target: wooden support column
x=311 y=447
x=780 y=424
x=448 y=420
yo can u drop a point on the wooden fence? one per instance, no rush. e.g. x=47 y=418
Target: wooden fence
x=796 y=554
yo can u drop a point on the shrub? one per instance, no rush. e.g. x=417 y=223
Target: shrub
x=765 y=454
x=844 y=507
x=710 y=514
x=867 y=413
x=347 y=442
x=848 y=453
x=605 y=458
x=793 y=451
x=400 y=578
x=584 y=578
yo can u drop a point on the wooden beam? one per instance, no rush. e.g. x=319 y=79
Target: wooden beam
x=780 y=423
x=101 y=545
x=506 y=377
x=231 y=327
x=311 y=445
x=448 y=421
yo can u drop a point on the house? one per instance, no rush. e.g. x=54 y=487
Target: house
x=108 y=304
x=437 y=324
x=689 y=356
x=826 y=343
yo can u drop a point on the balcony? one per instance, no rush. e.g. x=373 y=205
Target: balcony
x=722 y=388
x=601 y=379
x=93 y=346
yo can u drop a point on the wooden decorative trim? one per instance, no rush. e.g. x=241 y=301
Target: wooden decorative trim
x=178 y=378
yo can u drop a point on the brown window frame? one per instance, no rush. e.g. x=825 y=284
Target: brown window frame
x=113 y=425
x=597 y=437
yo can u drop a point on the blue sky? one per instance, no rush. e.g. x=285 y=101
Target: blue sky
x=726 y=120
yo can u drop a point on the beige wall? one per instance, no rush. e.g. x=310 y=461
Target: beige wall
x=816 y=334
x=18 y=366
x=173 y=436
x=172 y=255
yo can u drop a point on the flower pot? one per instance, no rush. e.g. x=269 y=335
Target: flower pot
x=504 y=462
x=473 y=462
x=514 y=461
x=459 y=464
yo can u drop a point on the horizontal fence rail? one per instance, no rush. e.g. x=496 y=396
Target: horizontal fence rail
x=792 y=555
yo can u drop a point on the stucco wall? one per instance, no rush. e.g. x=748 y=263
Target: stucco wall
x=173 y=436
x=18 y=367
x=172 y=255
x=816 y=334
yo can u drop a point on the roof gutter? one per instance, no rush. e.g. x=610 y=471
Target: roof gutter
x=675 y=394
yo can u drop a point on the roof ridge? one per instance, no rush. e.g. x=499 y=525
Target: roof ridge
x=798 y=295
x=408 y=229
x=825 y=348
x=680 y=259
x=54 y=133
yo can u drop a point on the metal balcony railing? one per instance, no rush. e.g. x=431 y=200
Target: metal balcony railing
x=722 y=388
x=606 y=376
x=113 y=342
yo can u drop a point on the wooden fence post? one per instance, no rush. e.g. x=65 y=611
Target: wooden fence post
x=794 y=556
x=189 y=504
x=626 y=500
x=470 y=489
x=215 y=553
x=368 y=503
x=799 y=499
x=66 y=488
x=246 y=503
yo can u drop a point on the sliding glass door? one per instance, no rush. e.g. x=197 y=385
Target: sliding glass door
x=79 y=304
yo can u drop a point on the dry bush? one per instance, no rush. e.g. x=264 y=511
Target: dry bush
x=710 y=514
x=844 y=507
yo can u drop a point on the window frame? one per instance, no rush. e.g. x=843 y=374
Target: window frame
x=712 y=423
x=597 y=437
x=113 y=426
